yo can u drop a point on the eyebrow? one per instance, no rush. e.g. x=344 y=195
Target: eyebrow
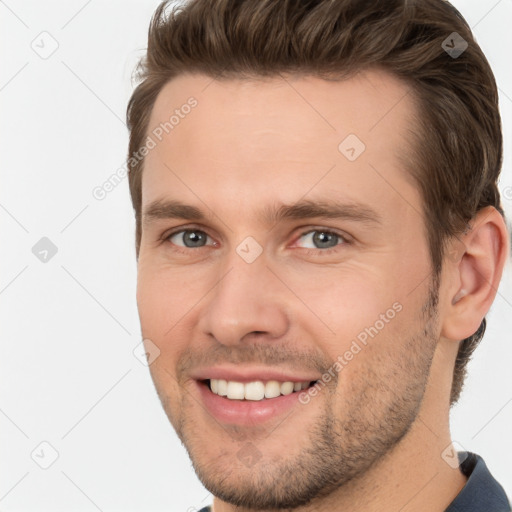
x=304 y=209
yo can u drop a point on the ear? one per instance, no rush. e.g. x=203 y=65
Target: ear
x=474 y=266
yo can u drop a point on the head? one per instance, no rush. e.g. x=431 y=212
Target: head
x=341 y=122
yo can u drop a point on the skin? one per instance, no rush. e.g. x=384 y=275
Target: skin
x=373 y=436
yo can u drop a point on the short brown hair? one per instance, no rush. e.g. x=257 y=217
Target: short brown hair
x=457 y=152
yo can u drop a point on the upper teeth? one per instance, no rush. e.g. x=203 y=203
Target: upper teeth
x=256 y=390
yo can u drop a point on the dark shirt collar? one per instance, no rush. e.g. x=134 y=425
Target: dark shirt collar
x=482 y=493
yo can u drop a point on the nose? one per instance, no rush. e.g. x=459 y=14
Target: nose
x=249 y=300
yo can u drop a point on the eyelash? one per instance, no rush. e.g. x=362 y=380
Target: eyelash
x=310 y=252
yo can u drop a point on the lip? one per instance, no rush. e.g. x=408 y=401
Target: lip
x=245 y=412
x=251 y=373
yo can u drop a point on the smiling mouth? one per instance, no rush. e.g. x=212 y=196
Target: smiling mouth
x=256 y=390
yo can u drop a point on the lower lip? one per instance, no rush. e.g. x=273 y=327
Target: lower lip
x=245 y=412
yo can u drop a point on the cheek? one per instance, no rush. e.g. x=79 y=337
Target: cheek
x=344 y=301
x=356 y=313
x=163 y=302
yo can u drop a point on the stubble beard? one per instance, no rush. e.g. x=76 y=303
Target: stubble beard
x=347 y=439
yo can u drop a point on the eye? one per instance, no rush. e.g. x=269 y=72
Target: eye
x=322 y=239
x=189 y=238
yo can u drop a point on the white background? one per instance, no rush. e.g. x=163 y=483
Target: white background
x=69 y=326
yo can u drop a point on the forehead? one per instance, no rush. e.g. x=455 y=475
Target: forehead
x=244 y=141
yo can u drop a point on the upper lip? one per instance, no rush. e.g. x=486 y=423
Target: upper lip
x=251 y=373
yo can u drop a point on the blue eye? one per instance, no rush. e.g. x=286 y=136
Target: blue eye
x=318 y=242
x=322 y=239
x=189 y=238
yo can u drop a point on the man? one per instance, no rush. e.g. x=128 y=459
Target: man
x=319 y=238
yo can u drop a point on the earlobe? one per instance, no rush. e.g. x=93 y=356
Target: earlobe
x=475 y=277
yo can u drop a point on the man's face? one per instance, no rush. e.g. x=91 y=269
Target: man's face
x=245 y=295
